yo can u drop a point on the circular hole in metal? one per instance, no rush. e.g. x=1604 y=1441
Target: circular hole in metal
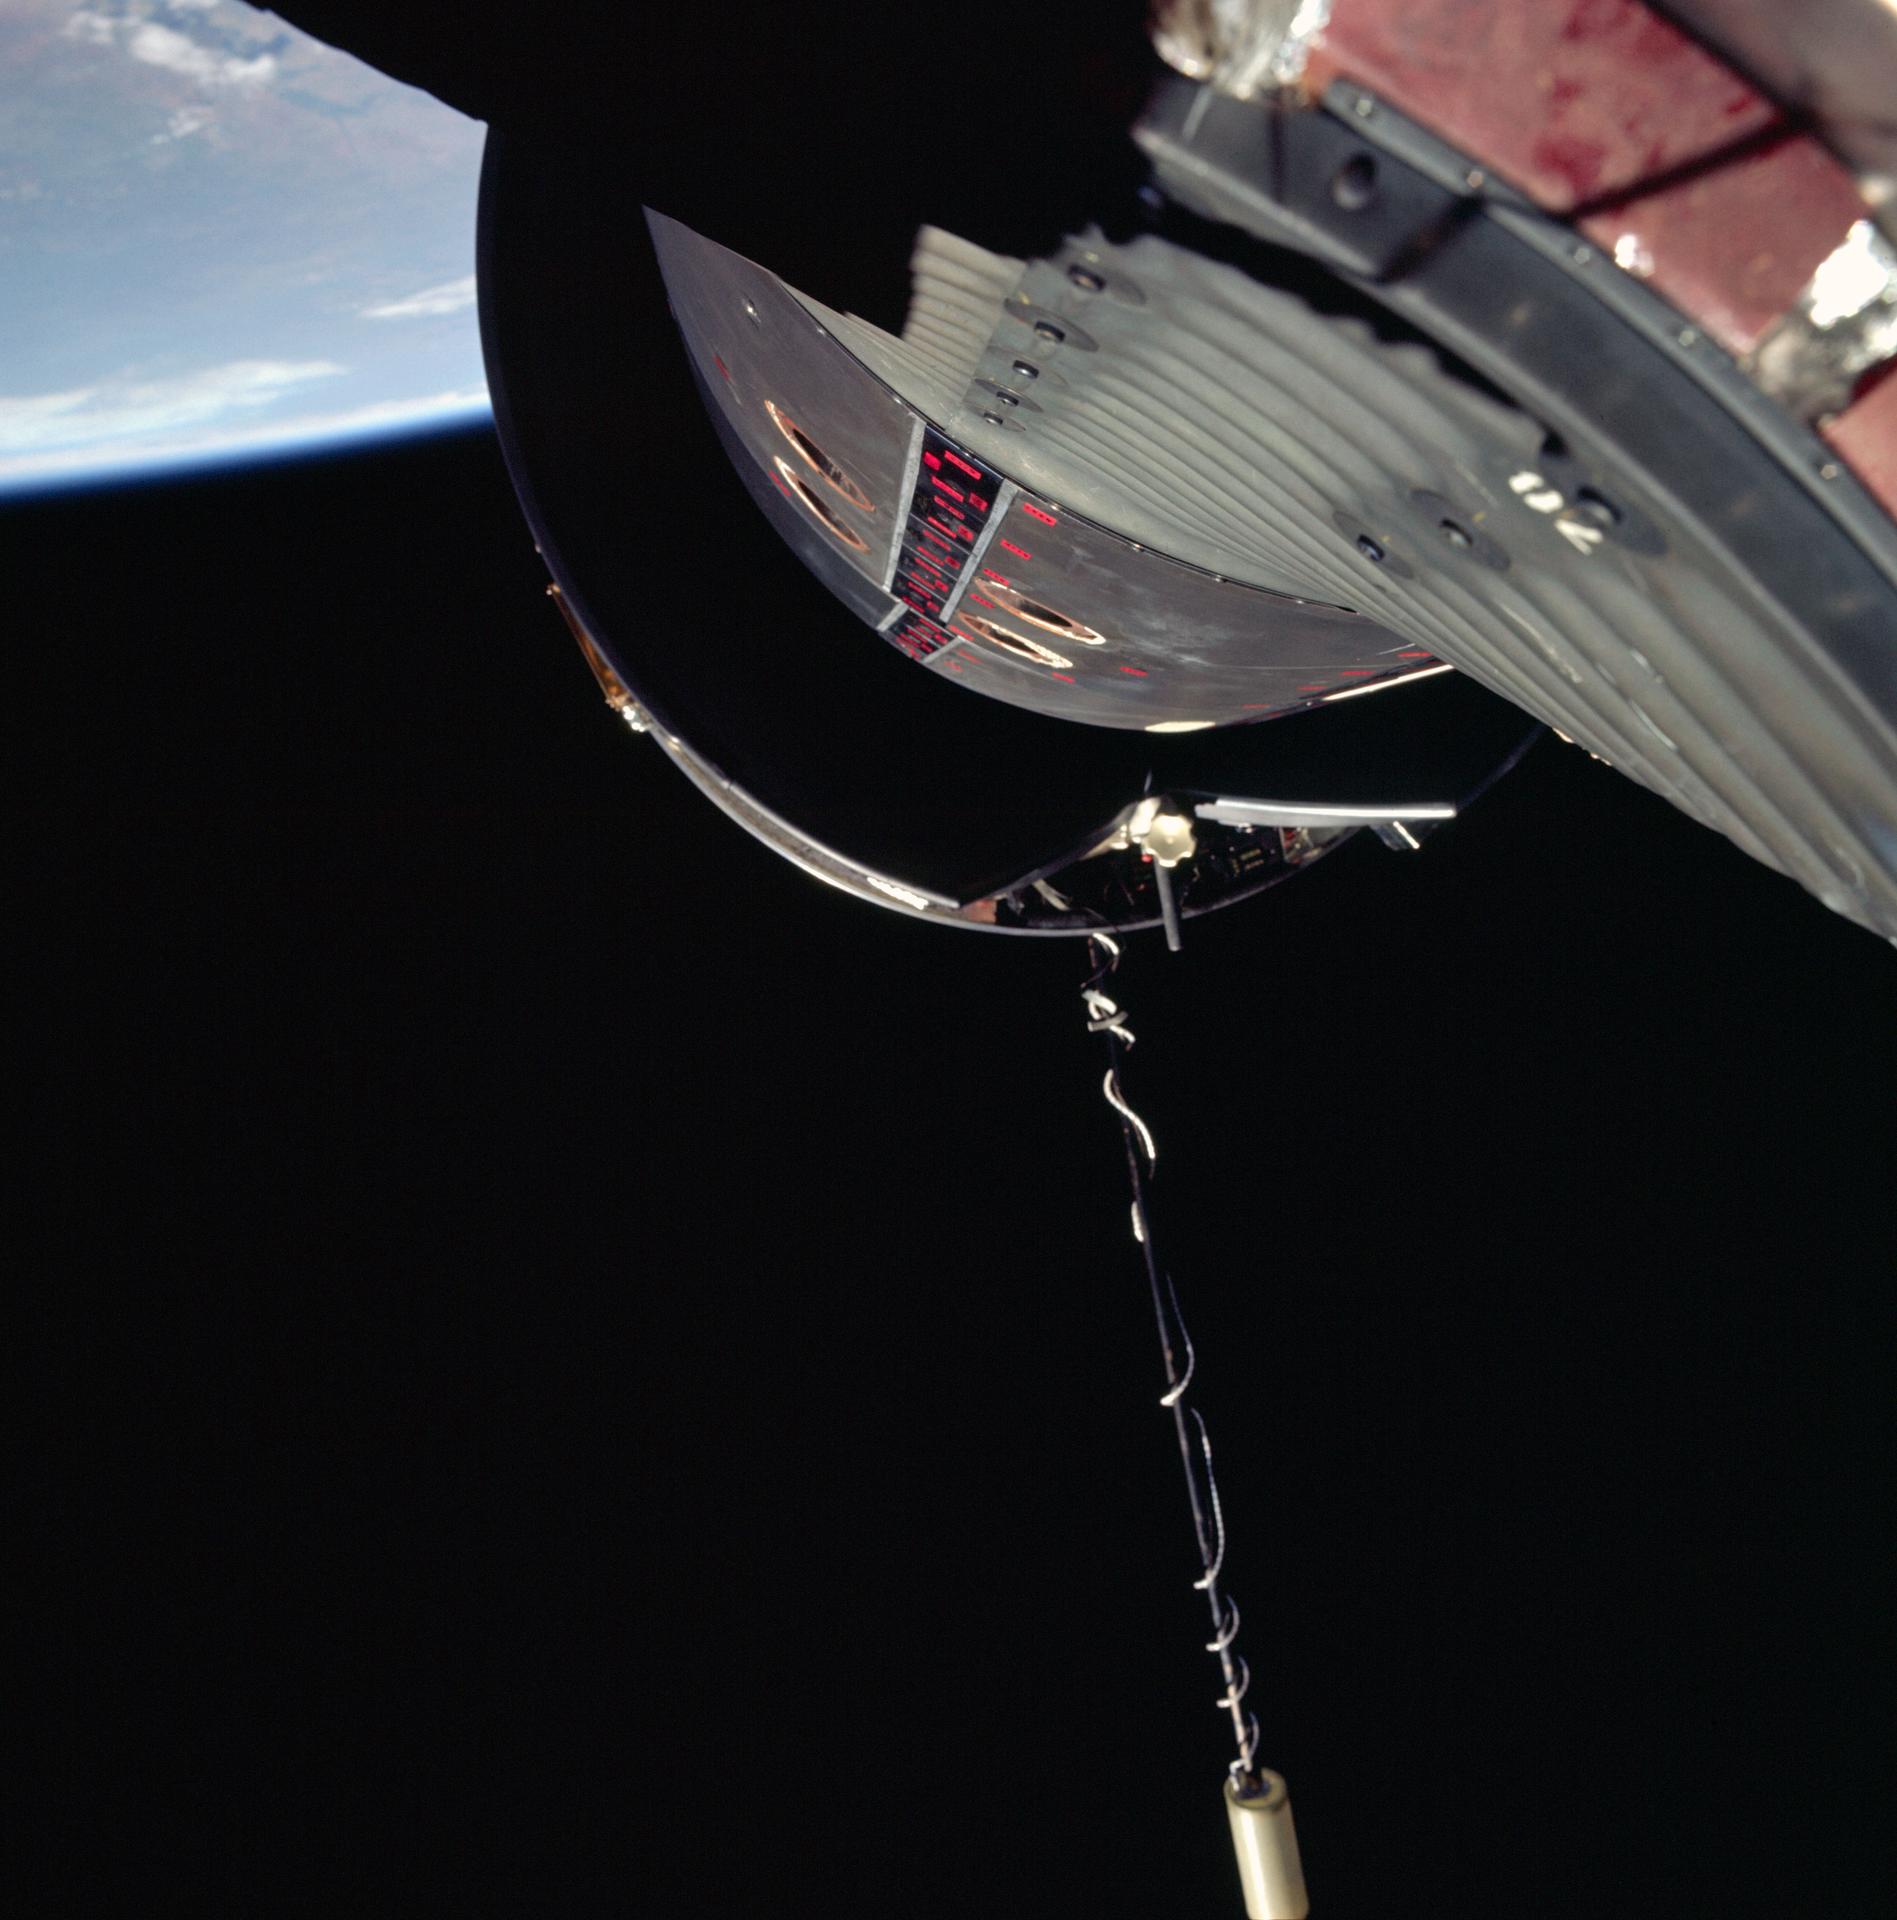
x=1048 y=619
x=817 y=460
x=1591 y=504
x=1009 y=641
x=1553 y=447
x=1354 y=184
x=1085 y=279
x=1027 y=370
x=1004 y=398
x=993 y=419
x=1370 y=549
x=819 y=509
x=1457 y=534
x=1046 y=330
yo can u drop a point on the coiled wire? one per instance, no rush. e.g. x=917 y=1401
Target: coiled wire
x=1108 y=1019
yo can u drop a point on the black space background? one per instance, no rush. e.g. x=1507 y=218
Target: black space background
x=563 y=1367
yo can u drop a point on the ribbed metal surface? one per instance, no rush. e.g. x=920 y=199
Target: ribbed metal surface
x=1332 y=459
x=1234 y=425
x=1028 y=602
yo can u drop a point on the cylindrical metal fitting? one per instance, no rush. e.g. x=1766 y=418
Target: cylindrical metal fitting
x=1267 y=1847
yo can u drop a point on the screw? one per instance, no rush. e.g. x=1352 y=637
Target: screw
x=1687 y=336
x=1027 y=370
x=1363 y=106
x=1370 y=550
x=1086 y=281
x=1046 y=330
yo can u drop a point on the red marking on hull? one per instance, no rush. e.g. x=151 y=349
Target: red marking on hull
x=1606 y=114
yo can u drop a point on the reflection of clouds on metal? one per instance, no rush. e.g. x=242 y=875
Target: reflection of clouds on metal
x=817 y=460
x=1048 y=618
x=1008 y=640
x=832 y=523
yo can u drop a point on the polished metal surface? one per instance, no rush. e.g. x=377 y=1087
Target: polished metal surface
x=1232 y=812
x=1239 y=47
x=1150 y=551
x=1843 y=327
x=1123 y=876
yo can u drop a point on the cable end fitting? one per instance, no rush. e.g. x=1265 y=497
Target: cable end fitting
x=1259 y=1808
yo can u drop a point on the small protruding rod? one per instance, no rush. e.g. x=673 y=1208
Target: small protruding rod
x=1258 y=1804
x=1168 y=906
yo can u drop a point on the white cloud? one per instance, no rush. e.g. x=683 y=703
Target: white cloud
x=166 y=47
x=124 y=413
x=229 y=440
x=183 y=124
x=30 y=416
x=450 y=297
x=95 y=28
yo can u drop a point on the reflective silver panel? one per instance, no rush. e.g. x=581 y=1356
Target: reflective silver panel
x=993 y=581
